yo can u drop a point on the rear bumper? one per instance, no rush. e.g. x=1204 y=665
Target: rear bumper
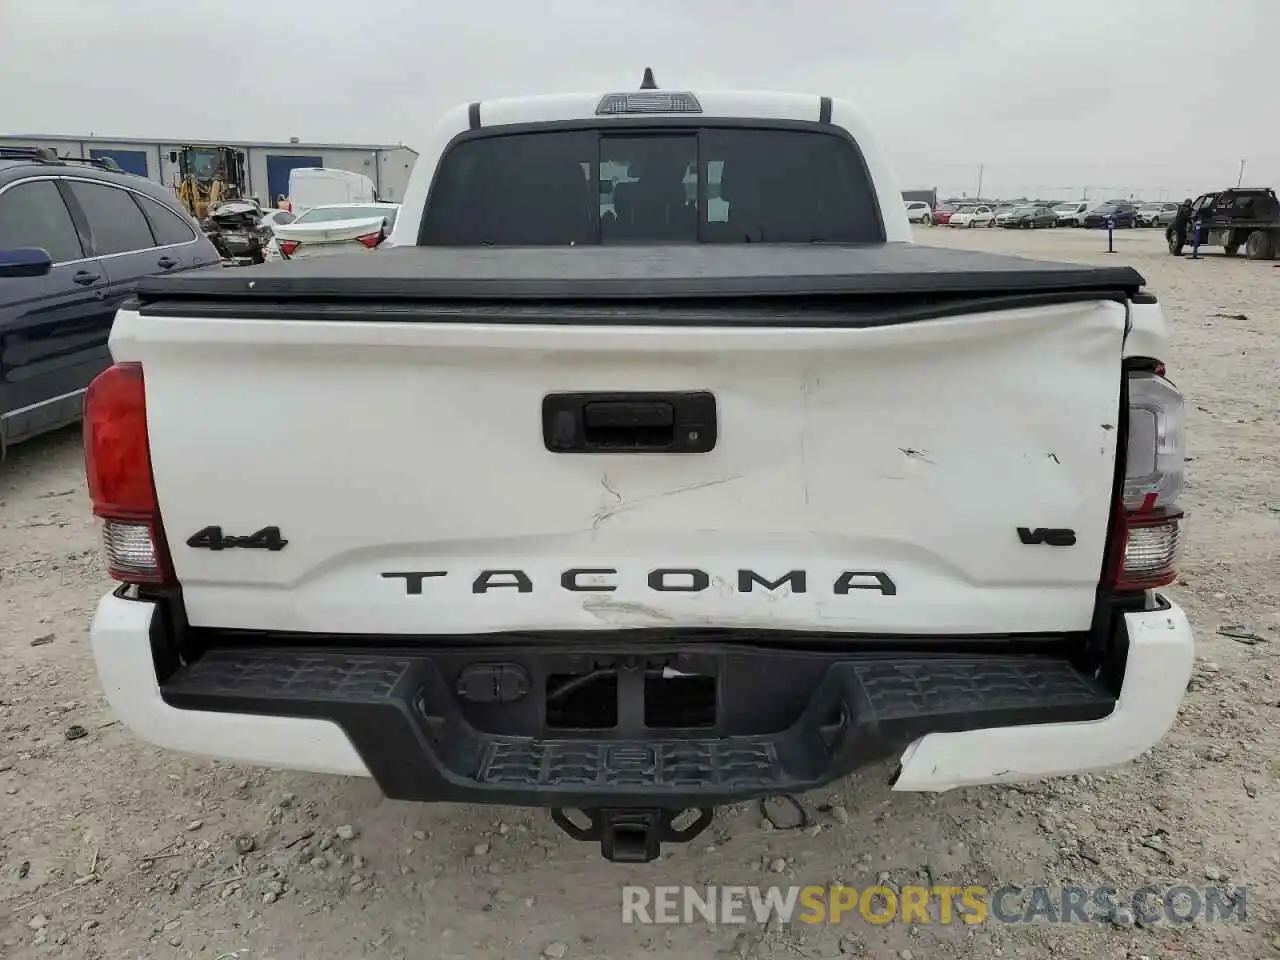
x=121 y=635
x=1161 y=653
x=787 y=721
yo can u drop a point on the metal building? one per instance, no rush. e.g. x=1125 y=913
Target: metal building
x=268 y=164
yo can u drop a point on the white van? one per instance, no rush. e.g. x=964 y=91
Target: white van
x=1071 y=212
x=324 y=186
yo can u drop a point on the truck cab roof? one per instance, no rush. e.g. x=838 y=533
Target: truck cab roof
x=619 y=104
x=674 y=111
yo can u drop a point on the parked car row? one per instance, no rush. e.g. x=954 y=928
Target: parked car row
x=1026 y=216
x=1247 y=218
x=1073 y=213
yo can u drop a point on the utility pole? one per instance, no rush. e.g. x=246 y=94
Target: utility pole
x=1240 y=179
x=978 y=196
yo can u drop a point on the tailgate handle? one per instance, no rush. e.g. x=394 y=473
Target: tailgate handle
x=619 y=423
x=629 y=423
x=621 y=415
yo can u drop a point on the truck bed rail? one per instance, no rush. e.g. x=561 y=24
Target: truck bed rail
x=417 y=274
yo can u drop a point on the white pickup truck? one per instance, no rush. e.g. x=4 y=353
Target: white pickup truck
x=651 y=468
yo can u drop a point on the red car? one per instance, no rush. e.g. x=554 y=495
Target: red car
x=942 y=214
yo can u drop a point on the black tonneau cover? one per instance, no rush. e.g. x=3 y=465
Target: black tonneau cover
x=425 y=274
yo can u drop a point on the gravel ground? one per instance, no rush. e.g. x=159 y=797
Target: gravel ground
x=110 y=848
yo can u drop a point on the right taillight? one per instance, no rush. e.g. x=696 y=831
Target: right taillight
x=1154 y=447
x=1147 y=528
x=287 y=247
x=117 y=465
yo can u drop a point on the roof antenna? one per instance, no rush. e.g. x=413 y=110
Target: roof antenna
x=648 y=83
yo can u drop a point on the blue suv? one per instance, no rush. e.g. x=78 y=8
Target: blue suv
x=75 y=238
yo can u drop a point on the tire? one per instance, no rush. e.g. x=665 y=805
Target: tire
x=1175 y=241
x=969 y=225
x=1259 y=246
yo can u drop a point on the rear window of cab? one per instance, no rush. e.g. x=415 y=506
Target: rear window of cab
x=636 y=185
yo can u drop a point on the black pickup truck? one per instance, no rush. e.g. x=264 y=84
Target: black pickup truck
x=1246 y=217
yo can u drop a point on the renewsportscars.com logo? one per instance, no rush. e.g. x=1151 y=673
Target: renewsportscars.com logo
x=942 y=904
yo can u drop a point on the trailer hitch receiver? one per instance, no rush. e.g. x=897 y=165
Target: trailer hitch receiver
x=632 y=834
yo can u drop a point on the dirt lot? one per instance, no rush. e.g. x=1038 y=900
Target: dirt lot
x=110 y=848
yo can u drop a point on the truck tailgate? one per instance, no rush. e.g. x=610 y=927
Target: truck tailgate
x=949 y=475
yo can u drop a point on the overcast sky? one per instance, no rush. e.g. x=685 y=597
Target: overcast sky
x=1049 y=96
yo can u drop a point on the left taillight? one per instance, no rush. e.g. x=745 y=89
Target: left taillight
x=1148 y=524
x=117 y=461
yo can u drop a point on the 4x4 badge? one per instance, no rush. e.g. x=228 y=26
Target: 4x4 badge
x=212 y=538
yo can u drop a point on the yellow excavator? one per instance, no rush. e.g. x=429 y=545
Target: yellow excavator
x=207 y=176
